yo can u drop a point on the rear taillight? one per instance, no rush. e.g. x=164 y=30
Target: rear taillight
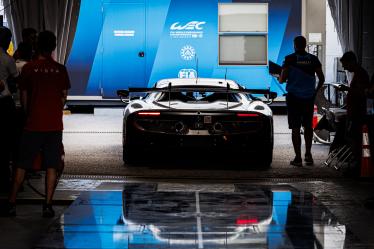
x=246 y=115
x=246 y=221
x=149 y=113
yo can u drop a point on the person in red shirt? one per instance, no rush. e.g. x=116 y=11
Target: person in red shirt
x=43 y=84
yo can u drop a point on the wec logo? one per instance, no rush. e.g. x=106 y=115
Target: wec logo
x=194 y=25
x=191 y=30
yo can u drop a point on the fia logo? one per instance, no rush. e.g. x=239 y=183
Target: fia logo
x=194 y=25
x=187 y=74
x=187 y=53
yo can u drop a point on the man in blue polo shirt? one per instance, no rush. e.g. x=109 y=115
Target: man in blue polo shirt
x=298 y=71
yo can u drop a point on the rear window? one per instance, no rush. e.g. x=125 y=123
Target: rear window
x=199 y=97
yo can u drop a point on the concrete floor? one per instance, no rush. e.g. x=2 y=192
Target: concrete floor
x=93 y=145
x=94 y=163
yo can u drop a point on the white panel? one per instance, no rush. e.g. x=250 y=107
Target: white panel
x=245 y=50
x=231 y=49
x=315 y=37
x=243 y=17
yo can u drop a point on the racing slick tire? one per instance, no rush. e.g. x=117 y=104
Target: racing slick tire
x=129 y=152
x=265 y=156
x=129 y=155
x=265 y=151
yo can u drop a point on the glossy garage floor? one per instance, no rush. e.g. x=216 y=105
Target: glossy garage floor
x=166 y=215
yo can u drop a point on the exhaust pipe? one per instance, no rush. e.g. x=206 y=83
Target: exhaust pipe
x=218 y=127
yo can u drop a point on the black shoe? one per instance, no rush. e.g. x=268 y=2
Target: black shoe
x=48 y=211
x=308 y=160
x=296 y=162
x=8 y=210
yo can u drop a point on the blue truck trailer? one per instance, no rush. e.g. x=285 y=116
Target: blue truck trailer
x=134 y=43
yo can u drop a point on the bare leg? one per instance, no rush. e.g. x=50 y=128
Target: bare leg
x=296 y=141
x=18 y=180
x=50 y=180
x=308 y=136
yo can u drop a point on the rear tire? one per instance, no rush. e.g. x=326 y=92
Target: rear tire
x=266 y=149
x=129 y=155
x=129 y=152
x=265 y=157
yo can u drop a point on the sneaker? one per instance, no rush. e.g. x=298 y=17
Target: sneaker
x=8 y=210
x=48 y=211
x=308 y=160
x=296 y=162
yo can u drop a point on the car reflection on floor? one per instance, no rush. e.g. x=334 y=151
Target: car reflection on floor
x=197 y=216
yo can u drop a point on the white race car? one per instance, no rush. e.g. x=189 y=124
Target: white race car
x=197 y=112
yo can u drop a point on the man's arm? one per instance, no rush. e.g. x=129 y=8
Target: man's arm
x=370 y=91
x=285 y=70
x=13 y=75
x=65 y=85
x=23 y=96
x=64 y=96
x=2 y=85
x=321 y=78
x=284 y=75
x=23 y=80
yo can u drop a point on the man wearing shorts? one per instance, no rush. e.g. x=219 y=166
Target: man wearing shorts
x=299 y=70
x=43 y=85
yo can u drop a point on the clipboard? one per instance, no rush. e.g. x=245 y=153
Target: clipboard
x=274 y=69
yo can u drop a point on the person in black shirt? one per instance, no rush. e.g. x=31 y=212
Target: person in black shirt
x=29 y=38
x=299 y=70
x=356 y=105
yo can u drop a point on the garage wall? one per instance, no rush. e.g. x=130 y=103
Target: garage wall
x=354 y=21
x=333 y=49
x=59 y=16
x=102 y=61
x=314 y=22
x=368 y=36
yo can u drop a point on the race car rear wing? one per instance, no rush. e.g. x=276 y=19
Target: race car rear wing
x=123 y=94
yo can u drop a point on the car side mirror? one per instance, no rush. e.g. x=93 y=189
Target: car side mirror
x=124 y=95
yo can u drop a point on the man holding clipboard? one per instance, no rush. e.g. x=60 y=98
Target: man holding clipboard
x=298 y=71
